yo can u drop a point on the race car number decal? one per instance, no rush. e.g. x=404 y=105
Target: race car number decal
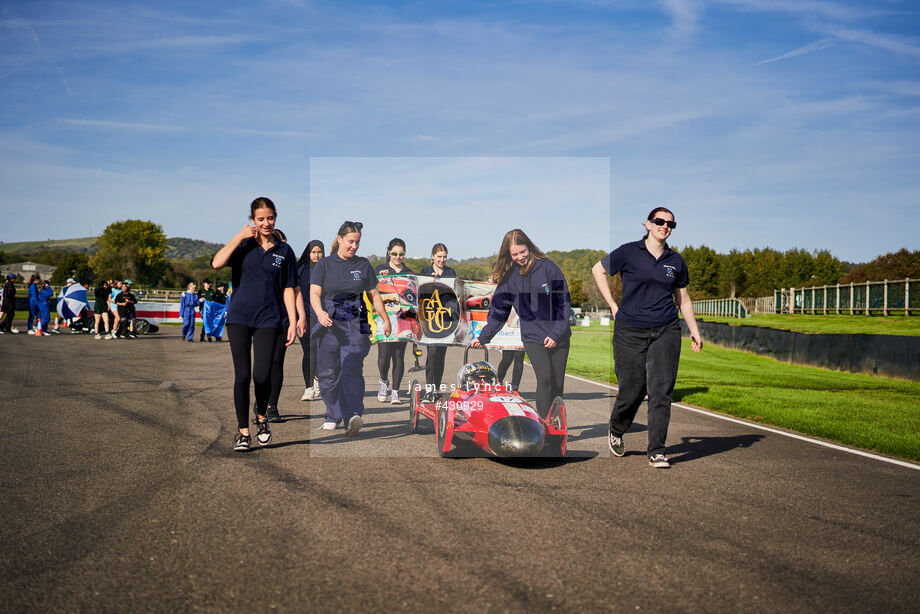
x=515 y=409
x=505 y=399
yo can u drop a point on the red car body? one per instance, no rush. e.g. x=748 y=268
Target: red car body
x=493 y=418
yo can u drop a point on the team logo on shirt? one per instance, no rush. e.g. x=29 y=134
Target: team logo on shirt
x=669 y=269
x=356 y=275
x=277 y=260
x=546 y=288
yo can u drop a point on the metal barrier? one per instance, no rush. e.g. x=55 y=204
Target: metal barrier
x=721 y=308
x=864 y=298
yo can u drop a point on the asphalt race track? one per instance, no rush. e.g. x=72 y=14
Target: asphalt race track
x=121 y=493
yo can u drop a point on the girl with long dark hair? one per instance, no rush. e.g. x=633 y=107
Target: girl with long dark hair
x=392 y=351
x=312 y=253
x=264 y=275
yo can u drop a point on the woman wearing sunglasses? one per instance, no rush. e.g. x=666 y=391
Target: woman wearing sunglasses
x=392 y=351
x=646 y=337
x=337 y=286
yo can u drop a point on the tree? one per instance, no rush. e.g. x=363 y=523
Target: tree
x=131 y=249
x=826 y=269
x=703 y=268
x=74 y=264
x=893 y=265
x=732 y=277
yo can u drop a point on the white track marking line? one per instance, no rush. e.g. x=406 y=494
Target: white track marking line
x=826 y=444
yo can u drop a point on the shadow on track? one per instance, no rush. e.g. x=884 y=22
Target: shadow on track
x=693 y=448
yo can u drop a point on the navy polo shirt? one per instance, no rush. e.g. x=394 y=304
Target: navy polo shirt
x=446 y=274
x=648 y=283
x=341 y=279
x=259 y=280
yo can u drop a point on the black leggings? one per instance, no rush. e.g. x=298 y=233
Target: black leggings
x=434 y=365
x=507 y=357
x=252 y=350
x=308 y=363
x=549 y=367
x=278 y=368
x=395 y=350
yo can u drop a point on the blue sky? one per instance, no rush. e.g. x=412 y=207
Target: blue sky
x=775 y=123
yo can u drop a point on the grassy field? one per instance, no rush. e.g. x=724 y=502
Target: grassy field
x=872 y=325
x=859 y=410
x=66 y=244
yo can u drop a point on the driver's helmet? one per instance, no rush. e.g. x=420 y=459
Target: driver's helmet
x=473 y=373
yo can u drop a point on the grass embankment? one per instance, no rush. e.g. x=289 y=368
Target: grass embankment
x=865 y=411
x=835 y=325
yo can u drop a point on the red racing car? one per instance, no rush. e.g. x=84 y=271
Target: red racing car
x=490 y=416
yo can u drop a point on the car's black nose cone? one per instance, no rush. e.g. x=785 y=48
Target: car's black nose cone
x=516 y=436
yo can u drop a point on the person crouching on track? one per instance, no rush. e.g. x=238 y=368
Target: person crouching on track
x=187 y=305
x=434 y=361
x=312 y=253
x=264 y=276
x=536 y=288
x=394 y=351
x=337 y=284
x=646 y=336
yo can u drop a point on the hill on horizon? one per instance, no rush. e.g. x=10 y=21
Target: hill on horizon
x=181 y=248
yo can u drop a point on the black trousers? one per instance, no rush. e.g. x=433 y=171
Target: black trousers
x=252 y=350
x=549 y=368
x=6 y=324
x=645 y=362
x=278 y=367
x=434 y=365
x=308 y=362
x=509 y=356
x=395 y=352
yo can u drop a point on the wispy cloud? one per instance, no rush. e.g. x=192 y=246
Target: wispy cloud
x=824 y=43
x=102 y=123
x=811 y=8
x=184 y=41
x=683 y=14
x=890 y=42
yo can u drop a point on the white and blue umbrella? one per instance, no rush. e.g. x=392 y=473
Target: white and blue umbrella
x=72 y=301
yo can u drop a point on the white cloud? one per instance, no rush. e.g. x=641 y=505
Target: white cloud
x=824 y=43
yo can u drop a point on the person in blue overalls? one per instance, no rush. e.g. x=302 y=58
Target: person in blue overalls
x=312 y=253
x=646 y=336
x=392 y=351
x=44 y=305
x=187 y=304
x=33 y=303
x=536 y=288
x=337 y=285
x=264 y=276
x=434 y=361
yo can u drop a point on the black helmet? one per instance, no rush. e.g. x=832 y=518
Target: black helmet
x=479 y=372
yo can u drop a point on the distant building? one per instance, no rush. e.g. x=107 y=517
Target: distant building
x=26 y=269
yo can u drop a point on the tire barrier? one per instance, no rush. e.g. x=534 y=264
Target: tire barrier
x=884 y=355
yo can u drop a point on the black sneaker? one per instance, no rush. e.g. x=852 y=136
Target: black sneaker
x=615 y=444
x=271 y=413
x=242 y=443
x=263 y=433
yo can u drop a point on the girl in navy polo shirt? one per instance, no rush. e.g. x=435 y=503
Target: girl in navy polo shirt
x=434 y=361
x=312 y=253
x=392 y=351
x=646 y=336
x=536 y=288
x=337 y=285
x=264 y=276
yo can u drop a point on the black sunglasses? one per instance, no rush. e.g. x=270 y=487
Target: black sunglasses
x=660 y=222
x=348 y=223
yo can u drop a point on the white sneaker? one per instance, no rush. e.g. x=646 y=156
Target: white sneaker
x=307 y=394
x=328 y=425
x=98 y=336
x=354 y=425
x=394 y=398
x=15 y=331
x=31 y=331
x=382 y=391
x=110 y=336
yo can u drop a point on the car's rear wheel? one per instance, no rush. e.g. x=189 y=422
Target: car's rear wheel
x=485 y=303
x=141 y=326
x=556 y=419
x=445 y=431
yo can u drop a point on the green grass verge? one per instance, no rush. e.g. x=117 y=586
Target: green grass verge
x=871 y=325
x=859 y=410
